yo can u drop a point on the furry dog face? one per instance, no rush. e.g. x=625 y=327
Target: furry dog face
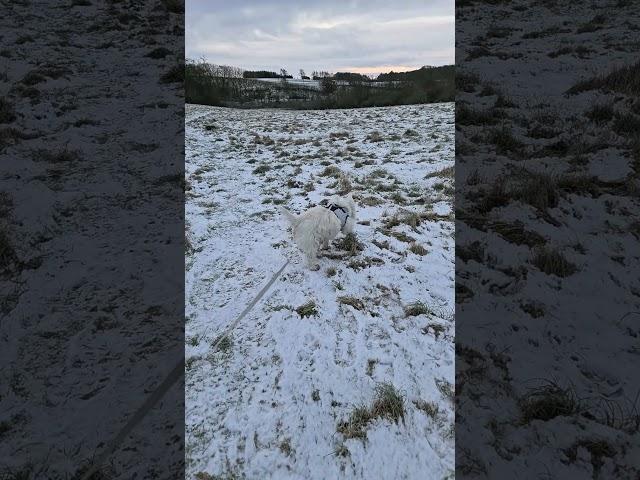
x=348 y=205
x=318 y=226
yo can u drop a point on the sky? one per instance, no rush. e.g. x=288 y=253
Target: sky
x=370 y=37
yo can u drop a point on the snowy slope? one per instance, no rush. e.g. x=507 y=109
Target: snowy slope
x=547 y=240
x=90 y=145
x=267 y=404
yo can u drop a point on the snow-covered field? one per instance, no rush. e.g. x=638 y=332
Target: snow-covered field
x=91 y=200
x=317 y=84
x=313 y=84
x=270 y=402
x=547 y=239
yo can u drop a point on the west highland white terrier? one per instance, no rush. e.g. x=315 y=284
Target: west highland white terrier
x=315 y=228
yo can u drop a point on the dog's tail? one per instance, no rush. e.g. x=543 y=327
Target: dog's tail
x=291 y=218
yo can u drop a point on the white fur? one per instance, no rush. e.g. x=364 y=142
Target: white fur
x=315 y=228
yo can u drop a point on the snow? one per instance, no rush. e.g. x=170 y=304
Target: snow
x=581 y=337
x=91 y=310
x=268 y=405
x=317 y=84
x=313 y=84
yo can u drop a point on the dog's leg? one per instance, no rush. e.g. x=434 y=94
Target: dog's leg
x=348 y=228
x=312 y=262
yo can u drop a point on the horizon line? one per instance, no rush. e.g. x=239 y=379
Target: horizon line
x=360 y=70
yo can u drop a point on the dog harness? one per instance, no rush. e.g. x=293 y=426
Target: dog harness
x=341 y=213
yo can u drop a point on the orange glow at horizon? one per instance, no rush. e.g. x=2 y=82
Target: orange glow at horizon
x=378 y=69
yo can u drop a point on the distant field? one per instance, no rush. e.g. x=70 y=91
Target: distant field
x=316 y=84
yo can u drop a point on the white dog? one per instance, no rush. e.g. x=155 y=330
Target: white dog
x=315 y=228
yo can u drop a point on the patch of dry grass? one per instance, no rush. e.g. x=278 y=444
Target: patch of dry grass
x=548 y=401
x=552 y=262
x=417 y=308
x=418 y=249
x=388 y=404
x=350 y=244
x=308 y=309
x=352 y=301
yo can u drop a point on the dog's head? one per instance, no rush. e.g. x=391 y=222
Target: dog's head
x=345 y=202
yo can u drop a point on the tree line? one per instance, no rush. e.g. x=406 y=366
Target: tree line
x=423 y=75
x=265 y=74
x=226 y=85
x=315 y=75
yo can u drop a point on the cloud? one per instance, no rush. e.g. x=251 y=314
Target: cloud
x=364 y=36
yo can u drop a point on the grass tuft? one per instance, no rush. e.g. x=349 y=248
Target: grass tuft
x=446 y=389
x=600 y=113
x=388 y=404
x=547 y=402
x=8 y=254
x=7 y=112
x=598 y=449
x=505 y=141
x=596 y=23
x=352 y=301
x=538 y=190
x=307 y=310
x=371 y=201
x=417 y=308
x=62 y=155
x=471 y=251
x=375 y=137
x=285 y=447
x=331 y=171
x=350 y=243
x=224 y=345
x=625 y=79
x=344 y=185
x=418 y=249
x=430 y=408
x=355 y=426
x=102 y=473
x=552 y=262
x=401 y=236
x=467 y=82
x=436 y=328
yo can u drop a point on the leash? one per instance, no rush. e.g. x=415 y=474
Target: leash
x=176 y=373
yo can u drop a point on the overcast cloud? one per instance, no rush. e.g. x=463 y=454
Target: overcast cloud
x=359 y=36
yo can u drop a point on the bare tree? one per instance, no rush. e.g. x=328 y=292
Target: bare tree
x=302 y=74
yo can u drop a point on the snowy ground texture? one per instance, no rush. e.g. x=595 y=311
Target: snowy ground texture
x=91 y=120
x=547 y=240
x=271 y=401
